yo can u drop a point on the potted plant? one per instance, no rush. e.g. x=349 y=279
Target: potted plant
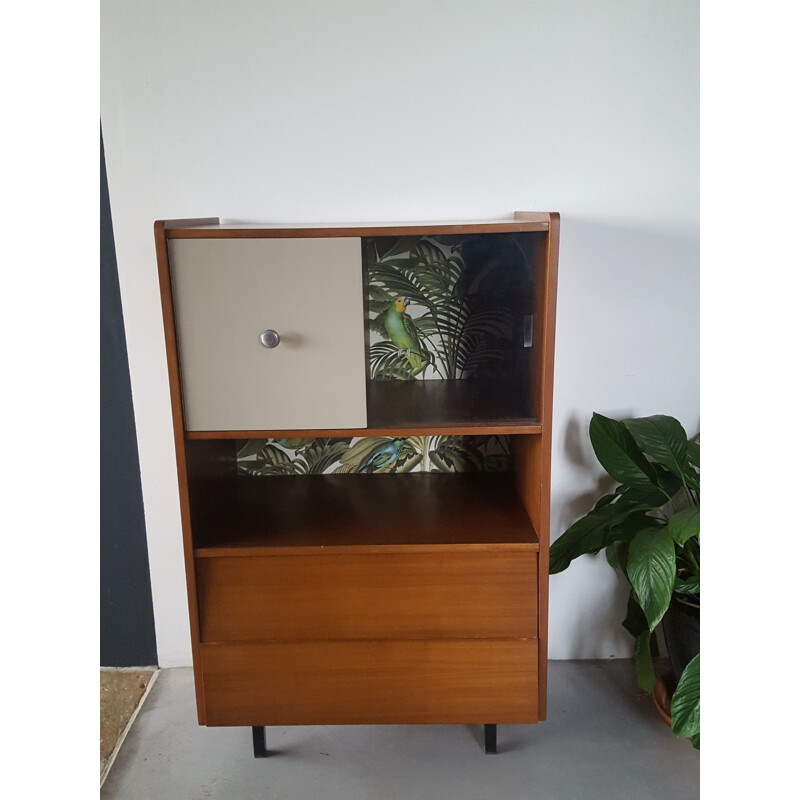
x=649 y=528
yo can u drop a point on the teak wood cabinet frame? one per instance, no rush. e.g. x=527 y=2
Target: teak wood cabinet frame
x=432 y=607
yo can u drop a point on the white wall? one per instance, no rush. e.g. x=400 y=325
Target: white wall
x=308 y=110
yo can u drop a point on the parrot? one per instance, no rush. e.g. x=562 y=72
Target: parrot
x=382 y=458
x=403 y=333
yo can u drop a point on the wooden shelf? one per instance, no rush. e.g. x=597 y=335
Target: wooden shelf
x=443 y=404
x=370 y=513
x=452 y=429
x=424 y=408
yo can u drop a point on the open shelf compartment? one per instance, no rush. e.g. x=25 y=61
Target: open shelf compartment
x=244 y=515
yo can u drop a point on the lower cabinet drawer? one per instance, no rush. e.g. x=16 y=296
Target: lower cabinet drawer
x=363 y=682
x=480 y=593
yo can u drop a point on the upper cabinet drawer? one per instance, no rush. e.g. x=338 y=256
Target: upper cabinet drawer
x=310 y=291
x=463 y=593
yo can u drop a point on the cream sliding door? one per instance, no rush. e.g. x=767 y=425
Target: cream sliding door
x=228 y=292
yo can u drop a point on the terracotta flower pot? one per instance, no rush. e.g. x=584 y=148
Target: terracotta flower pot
x=661 y=698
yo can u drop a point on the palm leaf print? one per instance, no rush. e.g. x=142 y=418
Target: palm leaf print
x=289 y=456
x=461 y=310
x=373 y=455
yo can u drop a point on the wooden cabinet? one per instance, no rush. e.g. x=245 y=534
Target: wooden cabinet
x=362 y=421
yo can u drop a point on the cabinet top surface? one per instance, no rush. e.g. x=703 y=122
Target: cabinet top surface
x=210 y=228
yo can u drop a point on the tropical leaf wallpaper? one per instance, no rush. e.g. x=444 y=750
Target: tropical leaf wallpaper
x=444 y=307
x=374 y=454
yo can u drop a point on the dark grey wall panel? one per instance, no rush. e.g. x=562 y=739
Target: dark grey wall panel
x=127 y=629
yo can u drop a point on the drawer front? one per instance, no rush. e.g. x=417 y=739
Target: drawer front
x=439 y=594
x=228 y=291
x=401 y=682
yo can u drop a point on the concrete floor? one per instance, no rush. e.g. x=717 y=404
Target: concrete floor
x=603 y=739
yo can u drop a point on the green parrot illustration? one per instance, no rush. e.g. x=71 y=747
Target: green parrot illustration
x=383 y=457
x=403 y=333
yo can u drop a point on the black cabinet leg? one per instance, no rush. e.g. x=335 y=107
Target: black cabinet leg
x=490 y=738
x=259 y=742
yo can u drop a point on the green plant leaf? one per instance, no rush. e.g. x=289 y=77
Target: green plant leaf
x=668 y=485
x=636 y=521
x=643 y=659
x=685 y=704
x=605 y=500
x=692 y=473
x=621 y=555
x=662 y=438
x=684 y=525
x=692 y=480
x=693 y=453
x=647 y=499
x=635 y=623
x=620 y=456
x=590 y=534
x=667 y=481
x=651 y=571
x=688 y=558
x=621 y=534
x=687 y=586
x=695 y=740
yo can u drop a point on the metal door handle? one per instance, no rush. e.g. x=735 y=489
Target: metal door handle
x=270 y=338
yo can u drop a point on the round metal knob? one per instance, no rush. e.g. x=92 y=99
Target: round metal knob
x=270 y=338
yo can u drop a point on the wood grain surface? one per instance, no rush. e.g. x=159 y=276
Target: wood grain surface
x=371 y=682
x=173 y=374
x=532 y=454
x=543 y=446
x=443 y=594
